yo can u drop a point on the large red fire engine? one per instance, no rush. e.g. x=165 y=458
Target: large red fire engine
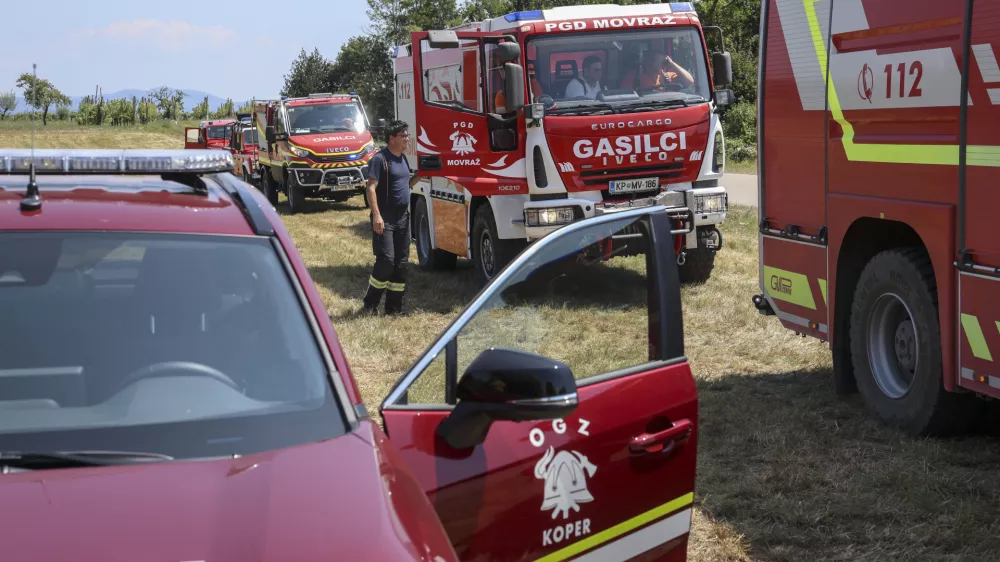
x=209 y=134
x=623 y=115
x=878 y=149
x=243 y=146
x=316 y=146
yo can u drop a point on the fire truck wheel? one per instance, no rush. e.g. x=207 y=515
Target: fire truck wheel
x=270 y=186
x=490 y=254
x=896 y=346
x=427 y=256
x=698 y=266
x=296 y=194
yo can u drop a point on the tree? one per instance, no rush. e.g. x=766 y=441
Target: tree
x=8 y=103
x=365 y=66
x=41 y=94
x=200 y=111
x=308 y=75
x=169 y=101
x=227 y=109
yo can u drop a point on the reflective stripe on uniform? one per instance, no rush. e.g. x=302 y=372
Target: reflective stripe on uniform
x=376 y=283
x=398 y=287
x=630 y=545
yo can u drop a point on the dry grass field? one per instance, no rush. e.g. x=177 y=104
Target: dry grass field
x=787 y=471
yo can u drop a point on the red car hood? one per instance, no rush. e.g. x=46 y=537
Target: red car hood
x=331 y=144
x=343 y=499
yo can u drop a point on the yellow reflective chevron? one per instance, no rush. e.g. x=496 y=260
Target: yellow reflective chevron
x=789 y=286
x=822 y=289
x=988 y=156
x=974 y=333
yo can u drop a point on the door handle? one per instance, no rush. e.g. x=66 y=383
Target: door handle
x=662 y=442
x=430 y=163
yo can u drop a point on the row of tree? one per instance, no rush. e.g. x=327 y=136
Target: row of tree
x=160 y=104
x=364 y=63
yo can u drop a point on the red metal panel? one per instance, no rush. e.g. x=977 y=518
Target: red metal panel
x=980 y=307
x=490 y=499
x=802 y=259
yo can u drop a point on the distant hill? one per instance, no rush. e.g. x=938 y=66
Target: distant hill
x=191 y=99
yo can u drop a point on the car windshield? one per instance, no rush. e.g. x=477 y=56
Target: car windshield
x=218 y=132
x=326 y=118
x=622 y=71
x=184 y=345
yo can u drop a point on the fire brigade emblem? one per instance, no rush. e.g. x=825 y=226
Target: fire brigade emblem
x=565 y=474
x=462 y=142
x=866 y=81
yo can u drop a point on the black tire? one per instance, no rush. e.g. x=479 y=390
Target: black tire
x=490 y=254
x=895 y=310
x=698 y=266
x=296 y=193
x=270 y=186
x=428 y=257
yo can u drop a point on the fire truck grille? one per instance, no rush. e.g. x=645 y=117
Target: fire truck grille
x=329 y=159
x=664 y=172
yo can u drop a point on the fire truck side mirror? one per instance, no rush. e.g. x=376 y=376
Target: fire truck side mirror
x=722 y=68
x=443 y=39
x=269 y=134
x=507 y=52
x=513 y=86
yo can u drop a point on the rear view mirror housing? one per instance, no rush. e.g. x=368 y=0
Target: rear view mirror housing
x=513 y=86
x=722 y=69
x=507 y=52
x=507 y=385
x=443 y=39
x=269 y=134
x=723 y=98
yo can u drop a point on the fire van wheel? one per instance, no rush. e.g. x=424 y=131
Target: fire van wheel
x=270 y=186
x=427 y=255
x=296 y=193
x=490 y=254
x=895 y=345
x=698 y=266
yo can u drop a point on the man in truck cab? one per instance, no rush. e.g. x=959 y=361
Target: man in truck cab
x=588 y=85
x=658 y=69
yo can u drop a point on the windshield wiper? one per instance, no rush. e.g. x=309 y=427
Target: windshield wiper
x=588 y=109
x=652 y=105
x=72 y=459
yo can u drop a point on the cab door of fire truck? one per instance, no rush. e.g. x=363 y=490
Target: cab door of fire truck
x=544 y=451
x=461 y=143
x=194 y=137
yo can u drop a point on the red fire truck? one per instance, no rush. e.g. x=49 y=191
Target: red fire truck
x=623 y=114
x=315 y=146
x=244 y=148
x=209 y=134
x=876 y=187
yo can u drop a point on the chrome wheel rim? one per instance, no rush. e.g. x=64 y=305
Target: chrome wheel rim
x=893 y=345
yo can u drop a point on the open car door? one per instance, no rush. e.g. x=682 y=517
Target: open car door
x=572 y=432
x=193 y=138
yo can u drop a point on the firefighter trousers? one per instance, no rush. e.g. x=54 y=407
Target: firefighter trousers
x=392 y=254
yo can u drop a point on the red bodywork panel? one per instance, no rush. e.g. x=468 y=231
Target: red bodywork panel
x=491 y=514
x=349 y=498
x=875 y=136
x=625 y=146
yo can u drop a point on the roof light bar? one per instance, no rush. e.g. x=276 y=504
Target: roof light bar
x=115 y=162
x=524 y=16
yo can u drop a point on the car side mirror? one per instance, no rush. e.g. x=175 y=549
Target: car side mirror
x=513 y=86
x=507 y=385
x=724 y=98
x=269 y=134
x=722 y=68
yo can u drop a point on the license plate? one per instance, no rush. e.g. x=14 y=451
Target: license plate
x=632 y=185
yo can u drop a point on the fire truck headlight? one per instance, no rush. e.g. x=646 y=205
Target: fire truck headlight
x=715 y=203
x=548 y=217
x=300 y=152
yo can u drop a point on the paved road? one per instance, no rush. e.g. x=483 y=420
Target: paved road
x=742 y=189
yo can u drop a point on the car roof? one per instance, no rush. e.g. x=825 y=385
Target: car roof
x=127 y=202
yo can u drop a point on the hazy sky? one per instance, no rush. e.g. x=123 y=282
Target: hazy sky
x=238 y=49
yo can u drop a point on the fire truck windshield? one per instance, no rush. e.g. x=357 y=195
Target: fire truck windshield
x=619 y=71
x=326 y=118
x=218 y=132
x=249 y=137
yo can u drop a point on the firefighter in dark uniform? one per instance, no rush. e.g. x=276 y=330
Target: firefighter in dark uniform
x=389 y=181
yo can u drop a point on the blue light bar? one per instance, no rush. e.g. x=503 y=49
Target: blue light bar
x=59 y=161
x=682 y=6
x=524 y=16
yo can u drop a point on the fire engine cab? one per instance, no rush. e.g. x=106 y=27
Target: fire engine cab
x=209 y=134
x=315 y=146
x=622 y=113
x=244 y=148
